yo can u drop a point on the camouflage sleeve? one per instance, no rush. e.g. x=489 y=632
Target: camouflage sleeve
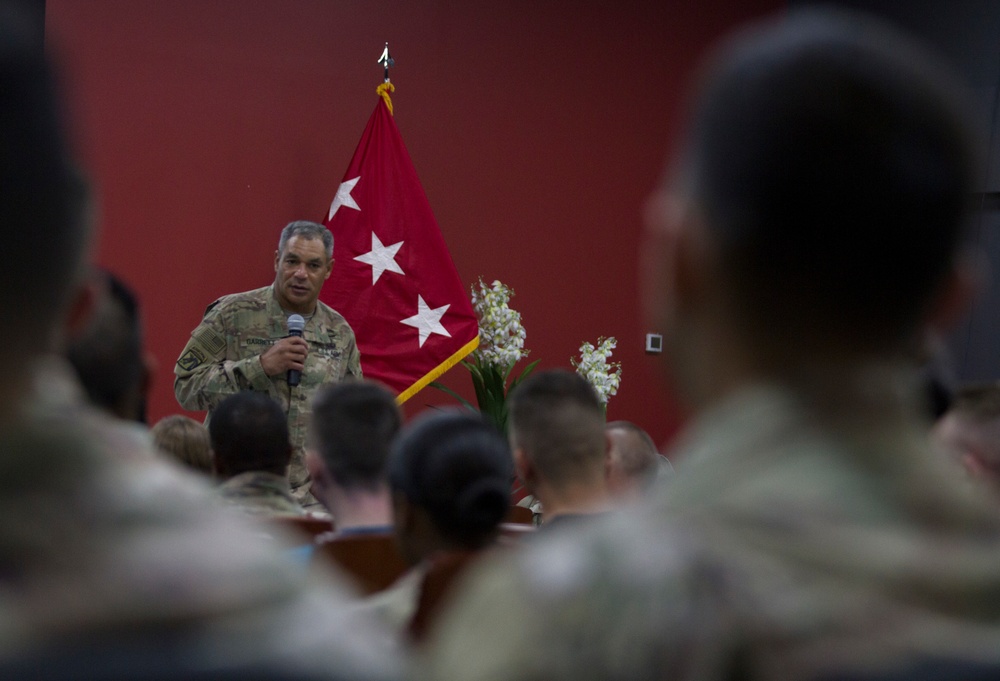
x=354 y=360
x=208 y=370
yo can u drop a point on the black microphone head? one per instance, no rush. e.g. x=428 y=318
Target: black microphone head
x=295 y=324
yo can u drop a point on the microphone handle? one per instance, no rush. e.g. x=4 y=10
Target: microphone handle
x=294 y=375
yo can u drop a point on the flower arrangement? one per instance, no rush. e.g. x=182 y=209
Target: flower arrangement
x=594 y=366
x=501 y=347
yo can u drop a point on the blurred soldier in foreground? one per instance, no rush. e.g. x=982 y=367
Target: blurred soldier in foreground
x=116 y=565
x=813 y=232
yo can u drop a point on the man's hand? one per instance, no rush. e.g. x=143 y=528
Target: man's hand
x=288 y=353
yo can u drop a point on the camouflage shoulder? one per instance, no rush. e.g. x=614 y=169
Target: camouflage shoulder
x=245 y=300
x=333 y=319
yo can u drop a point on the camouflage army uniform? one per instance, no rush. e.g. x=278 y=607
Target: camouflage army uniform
x=260 y=493
x=116 y=559
x=223 y=357
x=789 y=546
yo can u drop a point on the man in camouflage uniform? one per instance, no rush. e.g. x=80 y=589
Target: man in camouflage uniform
x=250 y=454
x=242 y=343
x=813 y=237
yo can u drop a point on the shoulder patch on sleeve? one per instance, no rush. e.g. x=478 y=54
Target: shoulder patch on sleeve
x=190 y=359
x=210 y=339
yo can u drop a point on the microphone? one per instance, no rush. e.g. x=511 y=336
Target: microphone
x=295 y=325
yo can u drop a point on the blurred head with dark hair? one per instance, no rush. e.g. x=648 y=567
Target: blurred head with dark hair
x=249 y=432
x=818 y=213
x=42 y=207
x=108 y=354
x=352 y=428
x=450 y=474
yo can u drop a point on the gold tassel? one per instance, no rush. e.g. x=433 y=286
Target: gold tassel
x=384 y=89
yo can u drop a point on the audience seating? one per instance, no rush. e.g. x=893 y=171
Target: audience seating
x=308 y=526
x=519 y=514
x=437 y=584
x=373 y=560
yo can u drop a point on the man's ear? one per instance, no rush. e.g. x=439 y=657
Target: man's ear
x=317 y=471
x=524 y=468
x=87 y=295
x=674 y=256
x=608 y=458
x=402 y=514
x=216 y=473
x=277 y=260
x=961 y=284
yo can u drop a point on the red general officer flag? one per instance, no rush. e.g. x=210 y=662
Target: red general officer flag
x=393 y=279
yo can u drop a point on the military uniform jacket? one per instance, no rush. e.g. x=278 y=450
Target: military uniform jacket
x=788 y=547
x=260 y=493
x=223 y=357
x=118 y=561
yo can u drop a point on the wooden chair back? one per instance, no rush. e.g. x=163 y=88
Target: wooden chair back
x=520 y=514
x=306 y=527
x=373 y=560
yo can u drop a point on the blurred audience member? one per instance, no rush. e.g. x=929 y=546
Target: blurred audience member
x=186 y=440
x=115 y=566
x=560 y=447
x=350 y=432
x=814 y=231
x=250 y=454
x=970 y=431
x=450 y=474
x=108 y=354
x=634 y=464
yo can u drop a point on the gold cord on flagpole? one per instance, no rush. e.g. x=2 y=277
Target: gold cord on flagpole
x=384 y=89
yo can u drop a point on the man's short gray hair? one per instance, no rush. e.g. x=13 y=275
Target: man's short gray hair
x=308 y=230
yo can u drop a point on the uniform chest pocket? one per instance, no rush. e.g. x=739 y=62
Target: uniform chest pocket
x=325 y=362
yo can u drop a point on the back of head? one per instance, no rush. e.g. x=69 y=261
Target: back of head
x=184 y=439
x=249 y=432
x=107 y=356
x=557 y=420
x=41 y=197
x=458 y=468
x=832 y=160
x=352 y=428
x=634 y=459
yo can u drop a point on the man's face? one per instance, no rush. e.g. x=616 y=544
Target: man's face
x=300 y=271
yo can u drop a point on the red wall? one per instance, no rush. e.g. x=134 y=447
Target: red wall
x=538 y=128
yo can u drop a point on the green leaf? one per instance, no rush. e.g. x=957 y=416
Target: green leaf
x=527 y=372
x=449 y=391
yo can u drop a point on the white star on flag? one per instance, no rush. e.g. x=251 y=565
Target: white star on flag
x=344 y=198
x=382 y=258
x=427 y=321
